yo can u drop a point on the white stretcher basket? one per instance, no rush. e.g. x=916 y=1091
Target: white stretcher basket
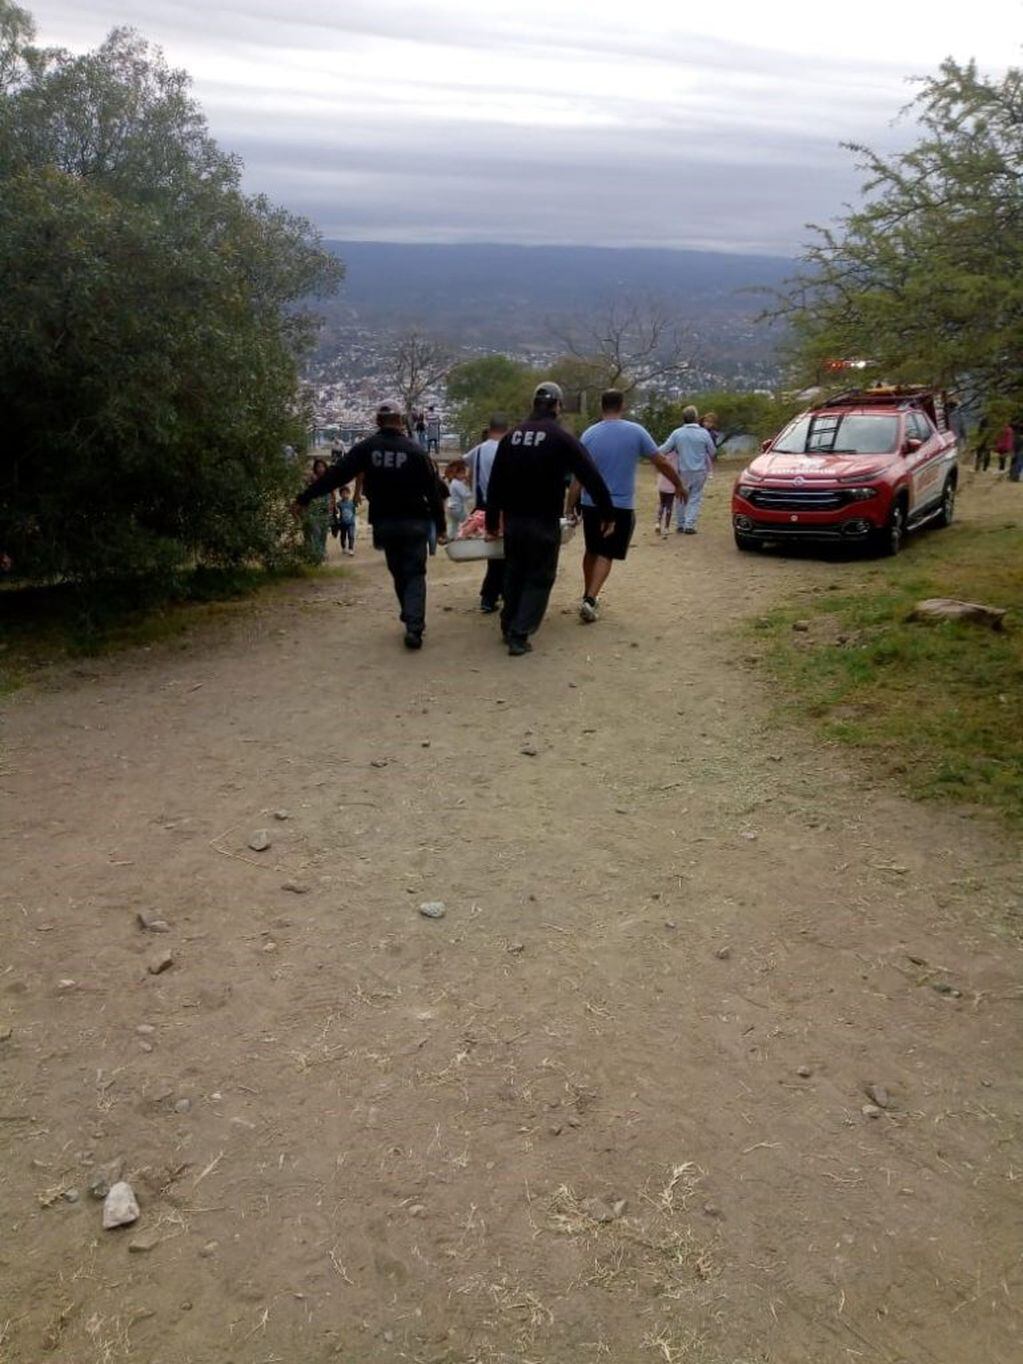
x=477 y=548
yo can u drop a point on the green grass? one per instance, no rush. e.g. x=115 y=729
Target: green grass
x=45 y=625
x=940 y=706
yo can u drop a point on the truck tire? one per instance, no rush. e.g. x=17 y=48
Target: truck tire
x=746 y=542
x=948 y=503
x=889 y=539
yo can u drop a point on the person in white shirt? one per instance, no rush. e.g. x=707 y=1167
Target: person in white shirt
x=460 y=498
x=480 y=460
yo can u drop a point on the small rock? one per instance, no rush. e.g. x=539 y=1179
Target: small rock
x=711 y=1210
x=99 y=1186
x=944 y=988
x=723 y=953
x=270 y=946
x=670 y=923
x=378 y=762
x=296 y=887
x=150 y=924
x=163 y=961
x=801 y=626
x=145 y=1046
x=601 y=1211
x=516 y=947
x=120 y=1208
x=879 y=1095
x=183 y=1106
x=528 y=751
x=805 y=1072
x=259 y=841
x=557 y=1130
x=6 y=1034
x=749 y=835
x=210 y=1248
x=144 y=1242
x=871 y=1111
x=65 y=985
x=71 y=1195
x=425 y=744
x=915 y=959
x=433 y=909
x=282 y=814
x=417 y=1210
x=145 y=1030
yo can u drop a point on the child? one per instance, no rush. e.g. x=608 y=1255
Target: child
x=346 y=519
x=460 y=498
x=665 y=499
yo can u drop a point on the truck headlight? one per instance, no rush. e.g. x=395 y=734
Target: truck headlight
x=860 y=494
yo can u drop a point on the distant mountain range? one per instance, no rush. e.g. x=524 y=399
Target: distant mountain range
x=516 y=297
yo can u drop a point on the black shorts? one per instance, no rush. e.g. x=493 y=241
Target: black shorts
x=616 y=545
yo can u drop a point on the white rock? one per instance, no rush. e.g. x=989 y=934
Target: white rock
x=119 y=1207
x=433 y=909
x=259 y=841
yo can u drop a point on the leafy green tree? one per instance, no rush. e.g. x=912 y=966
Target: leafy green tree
x=494 y=383
x=925 y=280
x=757 y=415
x=150 y=323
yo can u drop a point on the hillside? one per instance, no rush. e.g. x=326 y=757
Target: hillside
x=517 y=297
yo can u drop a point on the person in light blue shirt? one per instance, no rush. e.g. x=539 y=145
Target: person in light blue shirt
x=695 y=449
x=616 y=446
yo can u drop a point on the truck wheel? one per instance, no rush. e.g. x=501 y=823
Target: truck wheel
x=948 y=503
x=888 y=540
x=746 y=542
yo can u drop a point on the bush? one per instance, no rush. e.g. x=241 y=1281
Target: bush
x=148 y=342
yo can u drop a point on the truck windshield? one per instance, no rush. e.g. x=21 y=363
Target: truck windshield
x=832 y=433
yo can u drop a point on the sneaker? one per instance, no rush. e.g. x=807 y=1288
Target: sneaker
x=413 y=639
x=517 y=647
x=680 y=530
x=689 y=530
x=589 y=611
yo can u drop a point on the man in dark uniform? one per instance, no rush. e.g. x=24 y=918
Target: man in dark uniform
x=403 y=491
x=527 y=486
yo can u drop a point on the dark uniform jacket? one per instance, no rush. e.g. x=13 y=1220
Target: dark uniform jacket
x=531 y=471
x=399 y=479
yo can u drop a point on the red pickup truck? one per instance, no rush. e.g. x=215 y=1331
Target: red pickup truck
x=864 y=467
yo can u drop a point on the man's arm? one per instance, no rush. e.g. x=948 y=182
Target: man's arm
x=584 y=469
x=337 y=475
x=435 y=491
x=575 y=489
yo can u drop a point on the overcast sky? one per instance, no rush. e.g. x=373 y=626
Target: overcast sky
x=607 y=122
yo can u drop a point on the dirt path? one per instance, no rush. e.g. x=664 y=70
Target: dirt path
x=680 y=943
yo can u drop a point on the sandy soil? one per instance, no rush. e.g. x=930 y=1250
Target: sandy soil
x=610 y=1107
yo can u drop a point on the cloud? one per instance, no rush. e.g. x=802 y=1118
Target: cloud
x=560 y=123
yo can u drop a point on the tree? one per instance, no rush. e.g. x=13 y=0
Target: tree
x=630 y=345
x=417 y=364
x=149 y=338
x=756 y=415
x=494 y=383
x=925 y=279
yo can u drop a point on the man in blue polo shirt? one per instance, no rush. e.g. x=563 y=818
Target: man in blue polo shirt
x=616 y=446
